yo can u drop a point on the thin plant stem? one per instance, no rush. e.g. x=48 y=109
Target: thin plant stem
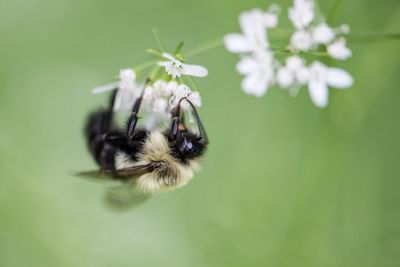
x=154 y=73
x=192 y=82
x=144 y=65
x=154 y=52
x=160 y=40
x=335 y=10
x=205 y=48
x=179 y=48
x=373 y=37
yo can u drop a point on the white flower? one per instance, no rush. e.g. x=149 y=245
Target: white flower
x=323 y=34
x=321 y=77
x=127 y=79
x=270 y=17
x=127 y=75
x=302 y=13
x=183 y=91
x=105 y=88
x=338 y=50
x=293 y=73
x=301 y=40
x=344 y=29
x=169 y=88
x=159 y=113
x=195 y=98
x=285 y=77
x=259 y=72
x=254 y=24
x=297 y=66
x=175 y=68
x=160 y=105
x=128 y=90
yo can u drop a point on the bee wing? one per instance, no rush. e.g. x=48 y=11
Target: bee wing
x=119 y=174
x=124 y=197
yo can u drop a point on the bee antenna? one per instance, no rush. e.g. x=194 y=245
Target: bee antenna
x=202 y=131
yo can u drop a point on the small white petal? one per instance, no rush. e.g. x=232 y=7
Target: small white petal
x=255 y=84
x=170 y=88
x=164 y=63
x=318 y=92
x=118 y=101
x=270 y=20
x=236 y=43
x=285 y=77
x=293 y=63
x=302 y=75
x=344 y=29
x=105 y=88
x=180 y=92
x=159 y=84
x=150 y=93
x=194 y=70
x=302 y=13
x=323 y=34
x=124 y=100
x=301 y=40
x=339 y=78
x=246 y=65
x=160 y=105
x=252 y=24
x=338 y=50
x=317 y=84
x=154 y=120
x=127 y=75
x=168 y=56
x=195 y=98
x=173 y=68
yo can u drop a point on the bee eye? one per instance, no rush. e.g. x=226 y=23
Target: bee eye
x=187 y=145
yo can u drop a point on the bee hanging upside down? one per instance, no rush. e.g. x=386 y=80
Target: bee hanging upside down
x=146 y=162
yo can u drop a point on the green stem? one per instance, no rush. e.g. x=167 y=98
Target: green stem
x=144 y=65
x=335 y=10
x=205 y=48
x=179 y=48
x=192 y=82
x=154 y=52
x=160 y=40
x=154 y=74
x=372 y=37
x=319 y=15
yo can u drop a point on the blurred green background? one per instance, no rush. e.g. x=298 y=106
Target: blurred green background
x=284 y=183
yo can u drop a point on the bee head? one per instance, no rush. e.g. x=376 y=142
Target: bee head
x=187 y=145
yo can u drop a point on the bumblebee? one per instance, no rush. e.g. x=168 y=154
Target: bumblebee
x=144 y=161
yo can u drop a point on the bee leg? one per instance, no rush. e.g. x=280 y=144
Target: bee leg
x=177 y=118
x=108 y=116
x=107 y=136
x=133 y=120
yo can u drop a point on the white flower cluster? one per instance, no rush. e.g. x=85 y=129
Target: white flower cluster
x=261 y=67
x=309 y=34
x=159 y=96
x=257 y=63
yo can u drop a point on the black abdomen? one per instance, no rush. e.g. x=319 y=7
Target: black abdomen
x=97 y=125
